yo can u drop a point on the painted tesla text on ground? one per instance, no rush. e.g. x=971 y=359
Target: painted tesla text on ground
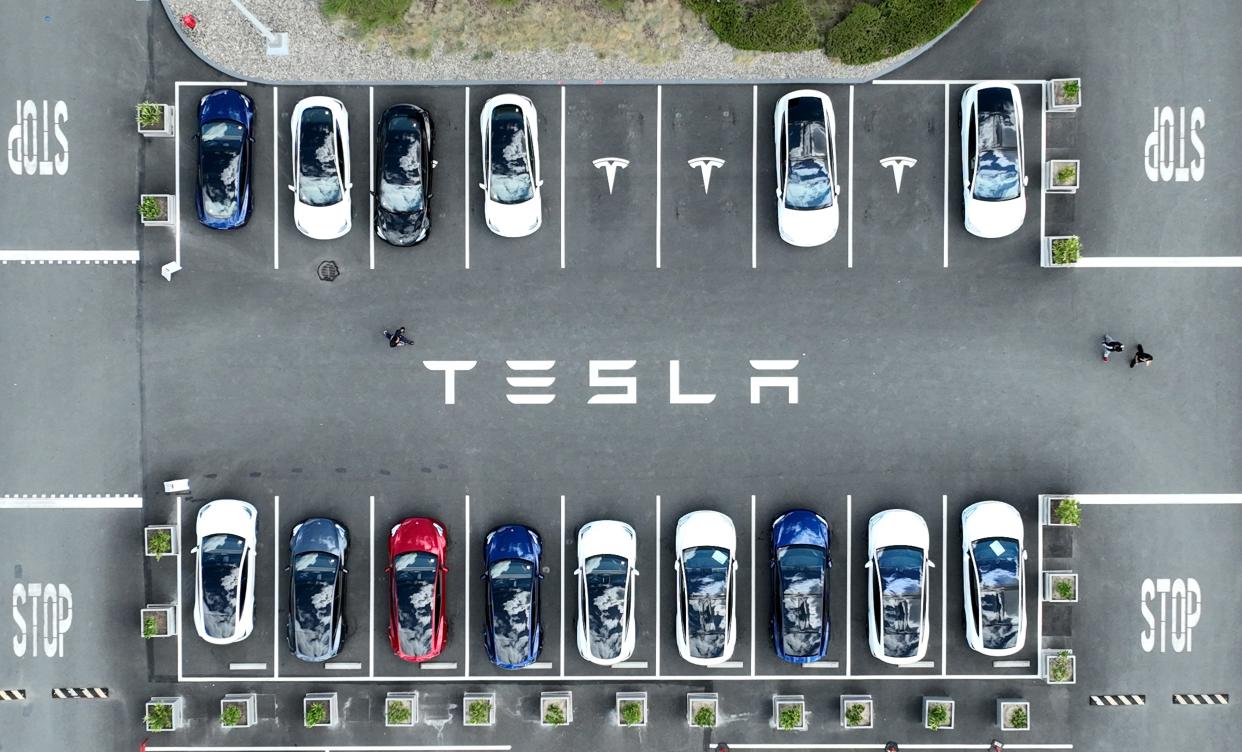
x=898 y=165
x=610 y=165
x=706 y=165
x=1178 y=605
x=42 y=614
x=1164 y=153
x=30 y=145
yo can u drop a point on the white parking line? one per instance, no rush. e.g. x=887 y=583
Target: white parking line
x=754 y=192
x=247 y=667
x=944 y=584
x=275 y=587
x=70 y=502
x=659 y=196
x=438 y=666
x=519 y=677
x=1159 y=262
x=752 y=579
x=180 y=610
x=466 y=138
x=849 y=225
x=344 y=748
x=275 y=177
x=954 y=81
x=562 y=205
x=659 y=577
x=849 y=554
x=561 y=578
x=728 y=664
x=881 y=745
x=946 y=176
x=539 y=666
x=1043 y=158
x=629 y=665
x=371 y=579
x=822 y=664
x=920 y=664
x=343 y=666
x=1011 y=664
x=371 y=174
x=1147 y=499
x=177 y=173
x=465 y=580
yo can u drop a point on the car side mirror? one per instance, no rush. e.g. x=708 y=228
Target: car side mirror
x=194 y=550
x=541 y=576
x=1024 y=554
x=867 y=565
x=539 y=184
x=387 y=570
x=482 y=186
x=349 y=186
x=635 y=572
x=578 y=571
x=286 y=569
x=735 y=565
x=289 y=187
x=443 y=570
x=1026 y=179
x=778 y=192
x=343 y=569
x=931 y=563
x=838 y=189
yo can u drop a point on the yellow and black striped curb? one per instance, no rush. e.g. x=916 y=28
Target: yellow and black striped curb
x=12 y=694
x=1201 y=699
x=1118 y=701
x=80 y=693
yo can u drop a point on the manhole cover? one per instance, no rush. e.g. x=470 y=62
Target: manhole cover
x=329 y=271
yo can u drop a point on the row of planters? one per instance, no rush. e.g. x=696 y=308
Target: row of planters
x=159 y=619
x=1062 y=95
x=789 y=712
x=157 y=120
x=1060 y=586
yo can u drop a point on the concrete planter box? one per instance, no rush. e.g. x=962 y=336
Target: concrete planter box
x=165 y=616
x=164 y=720
x=166 y=128
x=696 y=702
x=1052 y=171
x=1005 y=712
x=1051 y=578
x=153 y=532
x=1045 y=252
x=478 y=701
x=168 y=210
x=400 y=709
x=1048 y=502
x=246 y=703
x=552 y=701
x=868 y=717
x=1056 y=97
x=781 y=703
x=929 y=703
x=625 y=699
x=1050 y=656
x=332 y=715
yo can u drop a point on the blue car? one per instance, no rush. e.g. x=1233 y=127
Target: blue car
x=801 y=558
x=316 y=626
x=512 y=633
x=223 y=198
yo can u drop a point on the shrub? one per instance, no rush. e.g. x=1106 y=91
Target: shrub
x=874 y=32
x=554 y=715
x=399 y=712
x=631 y=713
x=937 y=716
x=1061 y=668
x=159 y=542
x=316 y=714
x=705 y=716
x=1065 y=589
x=1018 y=719
x=150 y=627
x=159 y=718
x=150 y=114
x=790 y=717
x=854 y=713
x=1067 y=175
x=478 y=713
x=368 y=14
x=1070 y=88
x=231 y=715
x=1068 y=510
x=776 y=26
x=1066 y=251
x=149 y=208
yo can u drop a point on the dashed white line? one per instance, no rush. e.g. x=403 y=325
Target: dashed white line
x=77 y=257
x=659 y=196
x=466 y=138
x=70 y=502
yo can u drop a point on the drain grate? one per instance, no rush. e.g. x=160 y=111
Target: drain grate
x=329 y=271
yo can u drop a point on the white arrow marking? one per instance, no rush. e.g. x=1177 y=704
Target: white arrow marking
x=706 y=164
x=899 y=164
x=610 y=165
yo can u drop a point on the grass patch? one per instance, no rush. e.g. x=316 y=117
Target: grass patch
x=873 y=32
x=776 y=26
x=368 y=14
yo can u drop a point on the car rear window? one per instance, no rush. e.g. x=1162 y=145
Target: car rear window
x=221 y=560
x=319 y=183
x=415 y=575
x=809 y=185
x=511 y=181
x=998 y=174
x=512 y=585
x=401 y=174
x=220 y=166
x=706 y=572
x=606 y=596
x=996 y=563
x=801 y=571
x=900 y=569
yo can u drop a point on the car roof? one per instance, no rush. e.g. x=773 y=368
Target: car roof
x=806 y=108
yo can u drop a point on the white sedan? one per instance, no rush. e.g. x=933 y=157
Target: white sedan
x=897 y=588
x=706 y=569
x=993 y=153
x=806 y=168
x=512 y=204
x=607 y=550
x=993 y=562
x=321 y=190
x=227 y=531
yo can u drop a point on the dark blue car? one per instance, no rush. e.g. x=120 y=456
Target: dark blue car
x=512 y=633
x=225 y=138
x=801 y=558
x=316 y=626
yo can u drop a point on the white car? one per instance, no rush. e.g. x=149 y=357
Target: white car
x=897 y=587
x=512 y=204
x=706 y=567
x=226 y=531
x=806 y=169
x=322 y=181
x=993 y=564
x=993 y=153
x=607 y=550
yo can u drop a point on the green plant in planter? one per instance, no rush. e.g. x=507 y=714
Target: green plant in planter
x=231 y=715
x=398 y=712
x=1018 y=719
x=1067 y=175
x=1068 y=511
x=631 y=713
x=316 y=714
x=159 y=717
x=478 y=712
x=149 y=208
x=705 y=716
x=1065 y=251
x=554 y=715
x=937 y=716
x=1071 y=90
x=1065 y=590
x=790 y=717
x=159 y=542
x=1061 y=668
x=854 y=713
x=150 y=627
x=150 y=114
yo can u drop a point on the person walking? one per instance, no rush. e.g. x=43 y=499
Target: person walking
x=1140 y=356
x=1111 y=345
x=397 y=338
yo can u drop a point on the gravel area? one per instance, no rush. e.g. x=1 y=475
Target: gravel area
x=321 y=50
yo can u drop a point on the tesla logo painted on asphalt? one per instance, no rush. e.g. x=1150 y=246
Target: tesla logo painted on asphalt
x=1180 y=606
x=29 y=147
x=898 y=166
x=1164 y=153
x=610 y=165
x=706 y=164
x=47 y=603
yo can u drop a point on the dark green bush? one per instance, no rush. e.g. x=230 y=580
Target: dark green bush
x=874 y=32
x=368 y=14
x=777 y=26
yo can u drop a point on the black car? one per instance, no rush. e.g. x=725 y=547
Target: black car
x=316 y=626
x=403 y=164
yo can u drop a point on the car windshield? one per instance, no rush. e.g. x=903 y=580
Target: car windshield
x=319 y=182
x=401 y=173
x=221 y=561
x=511 y=181
x=512 y=584
x=219 y=166
x=900 y=569
x=606 y=583
x=998 y=174
x=314 y=590
x=414 y=577
x=1000 y=598
x=706 y=572
x=801 y=570
x=809 y=185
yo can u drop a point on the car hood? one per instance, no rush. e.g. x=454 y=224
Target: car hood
x=990 y=519
x=417 y=534
x=319 y=534
x=607 y=537
x=323 y=222
x=401 y=229
x=227 y=516
x=513 y=542
x=995 y=219
x=807 y=229
x=226 y=104
x=800 y=528
x=896 y=527
x=515 y=220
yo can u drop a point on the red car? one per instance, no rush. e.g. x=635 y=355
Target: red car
x=416 y=570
